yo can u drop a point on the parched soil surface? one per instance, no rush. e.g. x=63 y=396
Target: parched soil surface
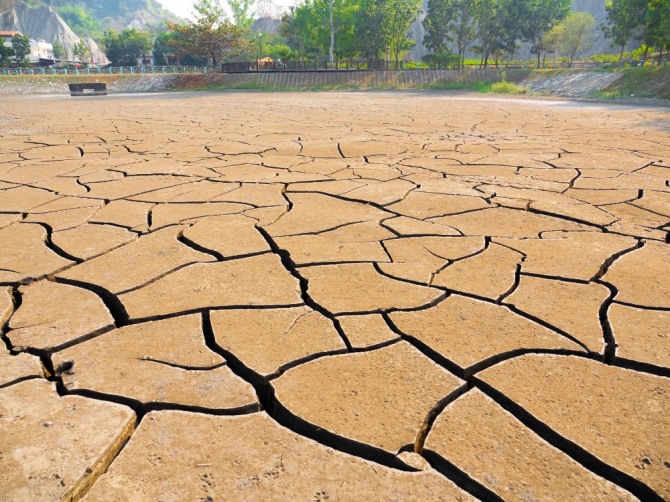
x=333 y=296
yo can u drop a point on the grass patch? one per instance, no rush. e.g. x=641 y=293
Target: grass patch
x=503 y=87
x=507 y=88
x=478 y=86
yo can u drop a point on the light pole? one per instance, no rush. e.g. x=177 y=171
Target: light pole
x=260 y=46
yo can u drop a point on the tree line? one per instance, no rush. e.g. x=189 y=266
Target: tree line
x=18 y=51
x=379 y=30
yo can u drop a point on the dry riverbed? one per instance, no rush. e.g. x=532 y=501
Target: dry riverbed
x=333 y=296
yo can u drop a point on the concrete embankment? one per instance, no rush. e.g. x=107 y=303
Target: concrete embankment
x=627 y=85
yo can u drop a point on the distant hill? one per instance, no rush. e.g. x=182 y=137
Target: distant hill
x=43 y=23
x=91 y=18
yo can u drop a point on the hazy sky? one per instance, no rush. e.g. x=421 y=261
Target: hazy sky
x=183 y=8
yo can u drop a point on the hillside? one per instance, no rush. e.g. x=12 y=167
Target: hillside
x=93 y=17
x=43 y=23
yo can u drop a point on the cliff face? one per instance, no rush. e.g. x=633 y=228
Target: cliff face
x=42 y=23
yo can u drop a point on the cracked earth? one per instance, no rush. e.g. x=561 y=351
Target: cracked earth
x=375 y=296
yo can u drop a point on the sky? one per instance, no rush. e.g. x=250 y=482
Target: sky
x=183 y=8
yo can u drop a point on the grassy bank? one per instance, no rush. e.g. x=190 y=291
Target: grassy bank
x=502 y=87
x=640 y=82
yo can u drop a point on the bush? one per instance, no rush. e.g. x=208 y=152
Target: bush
x=441 y=59
x=507 y=88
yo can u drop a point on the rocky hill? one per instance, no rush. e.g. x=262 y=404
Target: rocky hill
x=94 y=17
x=43 y=23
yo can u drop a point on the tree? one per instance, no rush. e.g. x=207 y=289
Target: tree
x=371 y=30
x=402 y=13
x=310 y=26
x=6 y=54
x=21 y=48
x=382 y=26
x=497 y=26
x=297 y=28
x=438 y=24
x=242 y=14
x=58 y=50
x=81 y=50
x=658 y=20
x=125 y=48
x=574 y=34
x=538 y=18
x=211 y=35
x=169 y=48
x=464 y=28
x=624 y=20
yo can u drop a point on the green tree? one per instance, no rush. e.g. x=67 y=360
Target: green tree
x=625 y=19
x=402 y=13
x=464 y=28
x=310 y=25
x=58 y=50
x=371 y=32
x=81 y=50
x=169 y=48
x=573 y=35
x=438 y=24
x=381 y=26
x=498 y=27
x=297 y=29
x=125 y=48
x=21 y=48
x=6 y=54
x=211 y=35
x=538 y=18
x=658 y=19
x=242 y=12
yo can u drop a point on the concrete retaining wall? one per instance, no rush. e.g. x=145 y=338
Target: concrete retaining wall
x=405 y=79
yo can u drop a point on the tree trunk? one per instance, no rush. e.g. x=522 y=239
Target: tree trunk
x=539 y=56
x=332 y=32
x=623 y=46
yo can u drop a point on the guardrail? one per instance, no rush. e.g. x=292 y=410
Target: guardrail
x=122 y=70
x=245 y=67
x=320 y=65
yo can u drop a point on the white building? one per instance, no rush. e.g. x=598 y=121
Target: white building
x=39 y=49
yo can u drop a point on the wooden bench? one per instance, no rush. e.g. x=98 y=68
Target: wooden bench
x=88 y=89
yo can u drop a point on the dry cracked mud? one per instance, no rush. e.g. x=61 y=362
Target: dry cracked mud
x=323 y=296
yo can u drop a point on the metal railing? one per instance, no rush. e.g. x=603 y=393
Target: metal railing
x=277 y=66
x=120 y=70
x=320 y=65
x=314 y=65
